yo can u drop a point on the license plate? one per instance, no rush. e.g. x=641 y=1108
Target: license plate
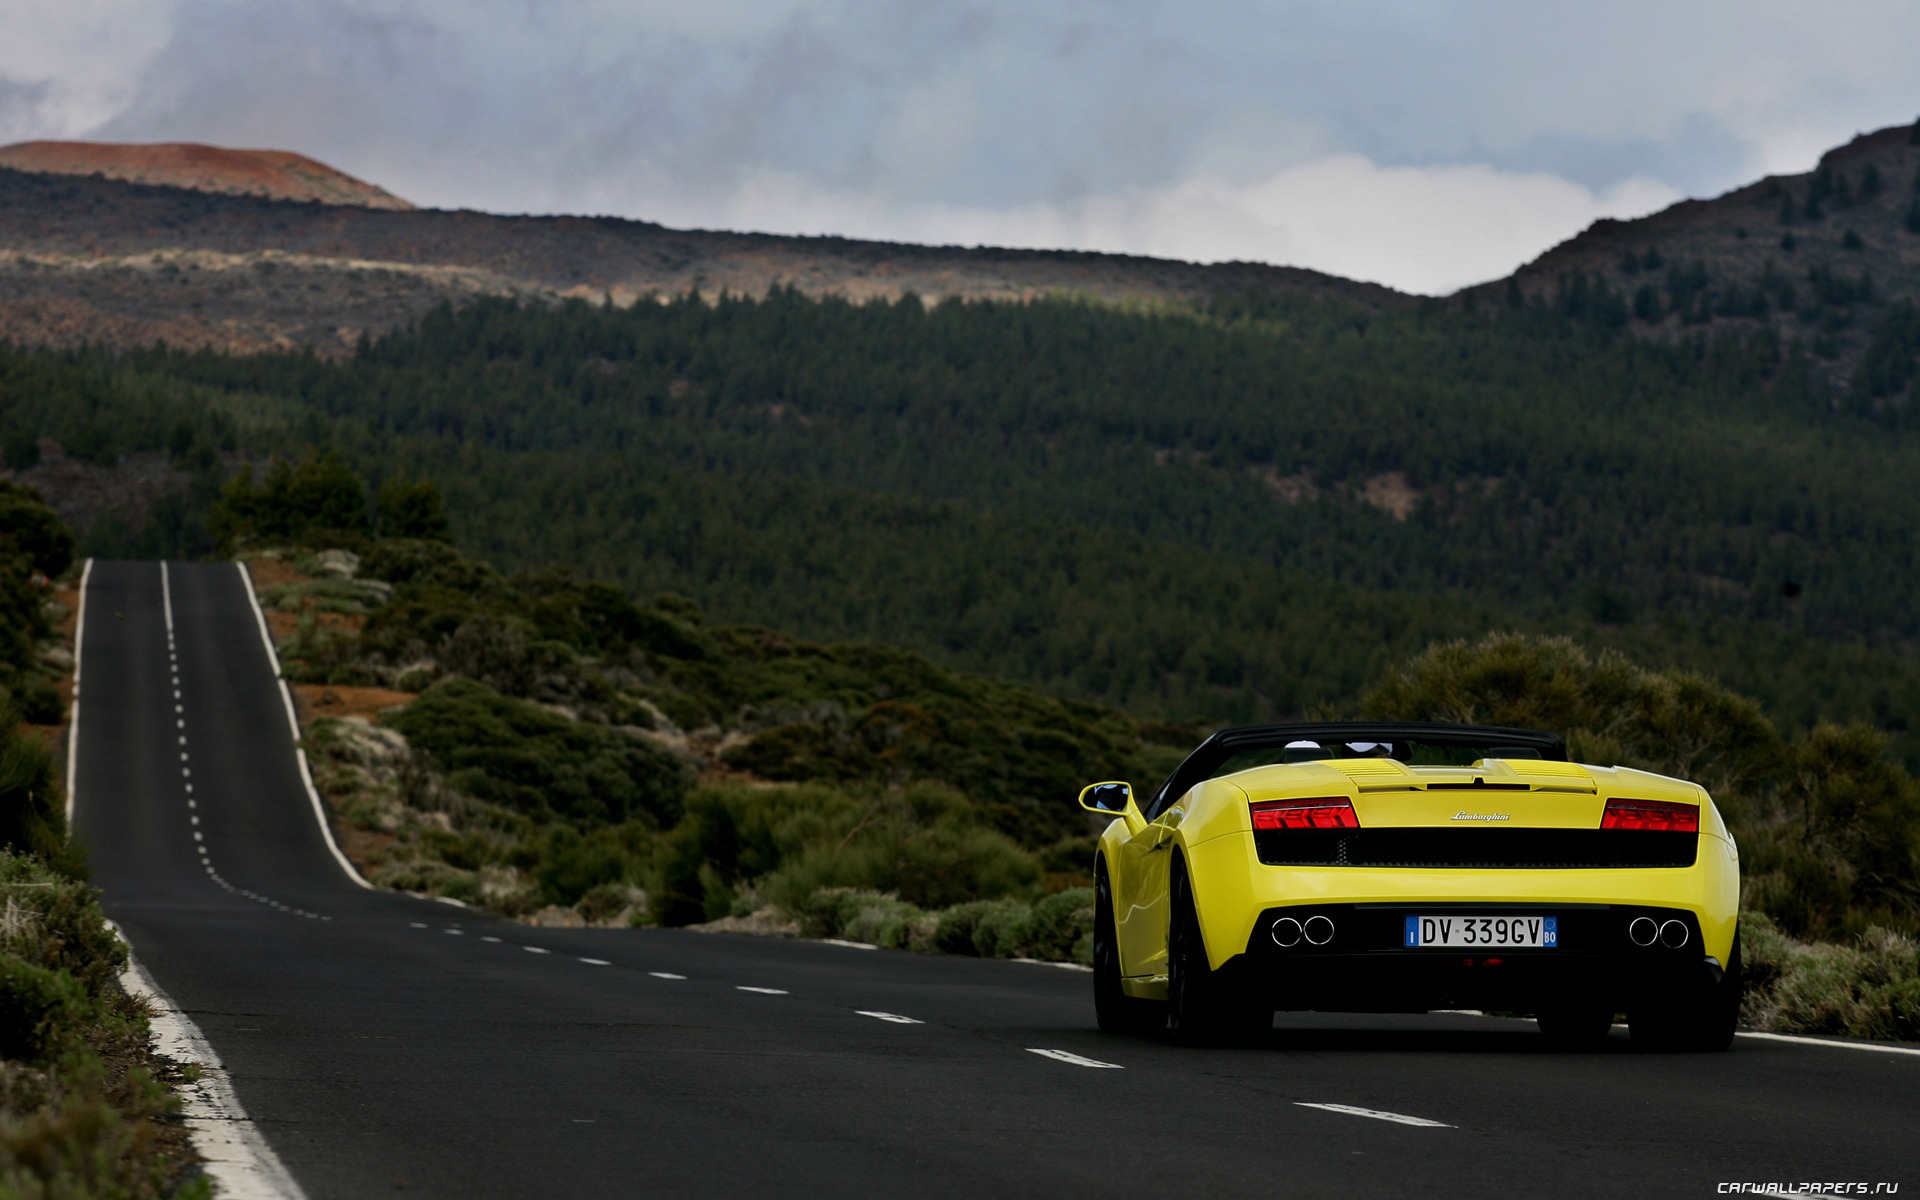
x=1540 y=933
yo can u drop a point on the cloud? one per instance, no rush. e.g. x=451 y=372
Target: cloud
x=1469 y=134
x=66 y=67
x=1421 y=229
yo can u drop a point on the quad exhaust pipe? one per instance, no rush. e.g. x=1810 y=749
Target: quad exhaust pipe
x=1288 y=932
x=1644 y=931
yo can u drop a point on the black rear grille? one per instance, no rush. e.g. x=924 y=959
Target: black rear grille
x=1544 y=849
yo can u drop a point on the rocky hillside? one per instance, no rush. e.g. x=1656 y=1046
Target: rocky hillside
x=86 y=259
x=250 y=250
x=275 y=174
x=1825 y=258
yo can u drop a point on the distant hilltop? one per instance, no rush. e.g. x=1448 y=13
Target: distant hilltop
x=199 y=247
x=273 y=174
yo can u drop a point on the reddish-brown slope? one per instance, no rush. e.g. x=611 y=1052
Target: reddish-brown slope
x=275 y=174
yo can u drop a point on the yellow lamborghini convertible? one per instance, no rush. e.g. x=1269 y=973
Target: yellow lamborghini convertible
x=1404 y=868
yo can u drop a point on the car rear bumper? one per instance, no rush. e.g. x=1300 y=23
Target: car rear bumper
x=1237 y=896
x=1366 y=967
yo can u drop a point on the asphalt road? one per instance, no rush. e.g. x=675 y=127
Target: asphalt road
x=396 y=1047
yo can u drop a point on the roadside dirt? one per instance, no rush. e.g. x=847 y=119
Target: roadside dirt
x=313 y=701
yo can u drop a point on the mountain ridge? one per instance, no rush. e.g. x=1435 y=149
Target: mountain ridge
x=85 y=260
x=1816 y=257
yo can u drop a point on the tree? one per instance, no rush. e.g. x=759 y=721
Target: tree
x=411 y=509
x=321 y=493
x=28 y=527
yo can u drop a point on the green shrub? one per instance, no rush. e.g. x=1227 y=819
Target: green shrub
x=572 y=864
x=42 y=1012
x=533 y=761
x=828 y=912
x=883 y=920
x=54 y=921
x=1060 y=922
x=39 y=701
x=980 y=927
x=430 y=878
x=1870 y=988
x=1003 y=930
x=33 y=815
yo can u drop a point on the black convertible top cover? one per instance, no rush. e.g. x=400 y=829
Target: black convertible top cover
x=1209 y=755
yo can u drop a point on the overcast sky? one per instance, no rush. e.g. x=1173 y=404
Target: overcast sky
x=1425 y=144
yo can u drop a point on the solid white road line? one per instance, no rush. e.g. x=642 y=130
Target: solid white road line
x=73 y=717
x=895 y=1018
x=665 y=975
x=238 y=1159
x=1837 y=1045
x=1378 y=1115
x=293 y=726
x=849 y=945
x=1074 y=1059
x=763 y=991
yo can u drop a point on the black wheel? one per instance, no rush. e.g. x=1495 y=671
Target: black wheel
x=1574 y=1026
x=1116 y=1011
x=1204 y=1006
x=1700 y=1018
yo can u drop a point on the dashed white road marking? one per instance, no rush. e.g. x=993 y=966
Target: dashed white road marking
x=417 y=924
x=1074 y=1059
x=762 y=991
x=484 y=938
x=895 y=1018
x=1377 y=1114
x=1837 y=1045
x=596 y=962
x=453 y=932
x=665 y=975
x=536 y=950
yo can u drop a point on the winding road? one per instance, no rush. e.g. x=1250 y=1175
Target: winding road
x=389 y=1046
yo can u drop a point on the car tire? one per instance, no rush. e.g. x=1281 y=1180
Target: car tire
x=1205 y=1007
x=1115 y=1011
x=1702 y=1018
x=1574 y=1026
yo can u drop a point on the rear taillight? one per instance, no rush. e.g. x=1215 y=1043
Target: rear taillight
x=1657 y=815
x=1325 y=812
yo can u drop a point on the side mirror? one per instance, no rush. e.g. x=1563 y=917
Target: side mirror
x=1110 y=798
